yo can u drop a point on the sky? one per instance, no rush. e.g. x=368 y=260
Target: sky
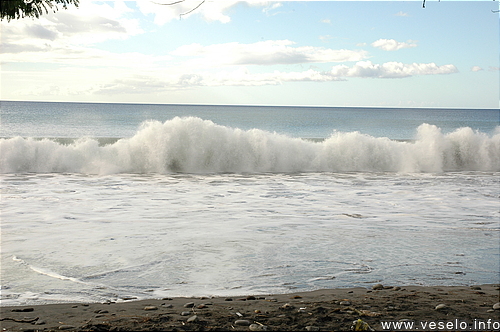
x=304 y=53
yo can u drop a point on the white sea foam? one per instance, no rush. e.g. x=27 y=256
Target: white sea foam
x=74 y=237
x=193 y=145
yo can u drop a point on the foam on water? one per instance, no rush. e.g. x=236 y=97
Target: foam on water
x=45 y=272
x=78 y=237
x=193 y=145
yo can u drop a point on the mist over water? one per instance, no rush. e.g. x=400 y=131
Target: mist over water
x=193 y=145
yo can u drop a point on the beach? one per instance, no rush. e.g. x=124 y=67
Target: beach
x=427 y=308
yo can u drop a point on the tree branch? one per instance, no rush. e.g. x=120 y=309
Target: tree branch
x=192 y=10
x=168 y=4
x=16 y=9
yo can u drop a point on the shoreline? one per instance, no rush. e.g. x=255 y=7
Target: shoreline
x=319 y=310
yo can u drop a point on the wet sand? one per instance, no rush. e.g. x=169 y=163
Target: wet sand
x=321 y=310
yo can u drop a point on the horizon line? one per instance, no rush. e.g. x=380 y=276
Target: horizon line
x=251 y=105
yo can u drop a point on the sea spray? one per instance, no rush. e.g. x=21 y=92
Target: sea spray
x=193 y=145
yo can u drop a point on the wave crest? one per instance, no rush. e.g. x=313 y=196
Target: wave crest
x=193 y=145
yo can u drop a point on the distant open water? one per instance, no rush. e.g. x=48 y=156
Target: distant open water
x=98 y=204
x=76 y=120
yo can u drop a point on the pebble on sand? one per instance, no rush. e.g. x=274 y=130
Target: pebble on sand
x=192 y=319
x=257 y=327
x=23 y=310
x=378 y=287
x=99 y=311
x=189 y=305
x=66 y=327
x=496 y=306
x=150 y=307
x=440 y=306
x=242 y=322
x=287 y=306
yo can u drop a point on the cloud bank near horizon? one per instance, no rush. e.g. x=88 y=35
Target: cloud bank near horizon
x=73 y=44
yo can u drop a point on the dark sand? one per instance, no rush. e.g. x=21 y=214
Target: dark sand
x=322 y=310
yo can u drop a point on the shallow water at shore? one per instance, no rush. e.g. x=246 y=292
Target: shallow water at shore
x=74 y=237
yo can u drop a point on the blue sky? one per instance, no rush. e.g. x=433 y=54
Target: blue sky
x=325 y=53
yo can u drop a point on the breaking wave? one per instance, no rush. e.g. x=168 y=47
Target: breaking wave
x=193 y=145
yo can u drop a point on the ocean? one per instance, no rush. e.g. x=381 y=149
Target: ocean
x=105 y=202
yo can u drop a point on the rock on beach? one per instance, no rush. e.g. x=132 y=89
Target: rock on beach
x=189 y=305
x=257 y=327
x=441 y=306
x=242 y=322
x=67 y=327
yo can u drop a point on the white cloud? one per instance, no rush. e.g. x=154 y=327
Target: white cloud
x=476 y=68
x=327 y=21
x=270 y=8
x=242 y=76
x=163 y=12
x=391 y=70
x=66 y=38
x=392 y=45
x=402 y=14
x=158 y=80
x=136 y=84
x=269 y=52
x=239 y=76
x=66 y=30
x=325 y=38
x=83 y=56
x=209 y=10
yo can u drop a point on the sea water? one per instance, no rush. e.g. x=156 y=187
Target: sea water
x=111 y=201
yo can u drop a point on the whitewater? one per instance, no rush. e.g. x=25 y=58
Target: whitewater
x=193 y=145
x=202 y=204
